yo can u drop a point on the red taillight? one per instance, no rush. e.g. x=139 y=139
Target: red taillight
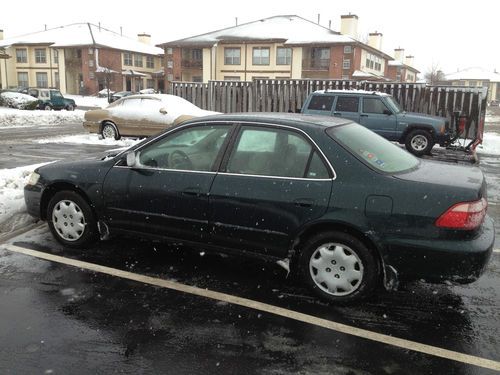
x=465 y=215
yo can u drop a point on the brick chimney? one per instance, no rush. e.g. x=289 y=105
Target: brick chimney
x=399 y=54
x=144 y=38
x=375 y=40
x=349 y=25
x=409 y=60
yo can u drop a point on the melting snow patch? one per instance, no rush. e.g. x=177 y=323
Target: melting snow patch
x=90 y=139
x=491 y=144
x=15 y=117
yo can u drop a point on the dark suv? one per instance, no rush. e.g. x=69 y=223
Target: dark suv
x=49 y=99
x=381 y=113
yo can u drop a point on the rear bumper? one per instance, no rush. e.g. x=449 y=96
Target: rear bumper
x=439 y=260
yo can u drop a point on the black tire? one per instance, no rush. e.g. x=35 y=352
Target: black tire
x=419 y=142
x=109 y=131
x=70 y=107
x=47 y=107
x=71 y=220
x=338 y=267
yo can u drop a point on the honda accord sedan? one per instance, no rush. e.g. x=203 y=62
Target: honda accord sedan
x=340 y=205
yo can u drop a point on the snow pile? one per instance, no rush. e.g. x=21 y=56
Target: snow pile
x=90 y=139
x=16 y=99
x=491 y=144
x=12 y=183
x=88 y=101
x=14 y=117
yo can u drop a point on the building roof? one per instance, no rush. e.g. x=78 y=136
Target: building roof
x=475 y=73
x=289 y=29
x=403 y=65
x=82 y=34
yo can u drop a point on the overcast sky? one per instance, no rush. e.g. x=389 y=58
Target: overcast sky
x=446 y=34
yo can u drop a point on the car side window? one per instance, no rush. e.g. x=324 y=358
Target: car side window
x=271 y=152
x=321 y=103
x=317 y=168
x=347 y=104
x=374 y=105
x=193 y=149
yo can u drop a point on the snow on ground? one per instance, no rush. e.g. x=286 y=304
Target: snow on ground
x=10 y=117
x=90 y=139
x=12 y=183
x=88 y=101
x=491 y=144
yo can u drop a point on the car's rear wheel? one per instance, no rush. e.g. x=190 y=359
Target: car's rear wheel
x=47 y=107
x=70 y=107
x=71 y=220
x=109 y=131
x=338 y=267
x=419 y=142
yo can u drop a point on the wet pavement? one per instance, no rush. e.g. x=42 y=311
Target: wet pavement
x=59 y=319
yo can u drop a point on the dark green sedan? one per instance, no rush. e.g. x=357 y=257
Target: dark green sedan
x=339 y=204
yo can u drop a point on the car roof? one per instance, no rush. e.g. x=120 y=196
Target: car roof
x=347 y=92
x=296 y=120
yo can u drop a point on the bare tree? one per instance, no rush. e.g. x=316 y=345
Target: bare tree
x=434 y=75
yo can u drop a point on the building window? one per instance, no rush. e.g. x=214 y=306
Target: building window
x=127 y=58
x=196 y=54
x=346 y=64
x=78 y=53
x=138 y=60
x=40 y=56
x=91 y=75
x=150 y=84
x=91 y=63
x=91 y=51
x=320 y=58
x=232 y=56
x=170 y=77
x=41 y=80
x=283 y=56
x=232 y=78
x=150 y=62
x=56 y=56
x=21 y=55
x=22 y=79
x=56 y=79
x=170 y=64
x=260 y=56
x=347 y=49
x=169 y=51
x=197 y=79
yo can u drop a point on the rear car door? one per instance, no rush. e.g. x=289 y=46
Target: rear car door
x=321 y=104
x=272 y=182
x=347 y=106
x=166 y=192
x=376 y=116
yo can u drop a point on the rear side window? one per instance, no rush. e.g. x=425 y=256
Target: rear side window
x=373 y=149
x=347 y=104
x=321 y=103
x=374 y=105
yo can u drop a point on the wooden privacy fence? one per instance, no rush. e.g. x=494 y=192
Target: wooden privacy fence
x=266 y=95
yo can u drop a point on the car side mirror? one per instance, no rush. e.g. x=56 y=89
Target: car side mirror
x=131 y=159
x=163 y=111
x=387 y=112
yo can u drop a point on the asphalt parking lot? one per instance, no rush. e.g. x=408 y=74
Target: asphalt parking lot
x=131 y=306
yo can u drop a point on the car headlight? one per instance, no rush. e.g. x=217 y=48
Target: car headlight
x=33 y=178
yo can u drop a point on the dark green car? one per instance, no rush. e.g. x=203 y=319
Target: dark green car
x=348 y=209
x=49 y=99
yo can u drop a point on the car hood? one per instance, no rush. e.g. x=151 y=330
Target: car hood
x=468 y=179
x=420 y=118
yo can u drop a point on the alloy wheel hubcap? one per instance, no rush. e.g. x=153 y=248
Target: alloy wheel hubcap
x=336 y=269
x=419 y=142
x=108 y=132
x=68 y=220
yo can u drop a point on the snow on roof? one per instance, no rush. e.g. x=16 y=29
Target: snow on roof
x=290 y=29
x=395 y=63
x=82 y=34
x=351 y=91
x=474 y=73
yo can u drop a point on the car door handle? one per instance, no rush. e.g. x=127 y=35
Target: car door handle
x=192 y=192
x=337 y=114
x=303 y=202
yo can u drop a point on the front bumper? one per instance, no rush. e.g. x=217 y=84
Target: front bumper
x=439 y=260
x=33 y=199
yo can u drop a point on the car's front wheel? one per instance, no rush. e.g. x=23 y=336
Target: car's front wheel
x=47 y=107
x=419 y=142
x=71 y=220
x=338 y=267
x=109 y=131
x=70 y=107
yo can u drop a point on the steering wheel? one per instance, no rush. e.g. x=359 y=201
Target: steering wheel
x=179 y=160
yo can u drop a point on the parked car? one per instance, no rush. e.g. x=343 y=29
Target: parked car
x=348 y=209
x=49 y=99
x=382 y=114
x=104 y=93
x=119 y=95
x=140 y=115
x=148 y=91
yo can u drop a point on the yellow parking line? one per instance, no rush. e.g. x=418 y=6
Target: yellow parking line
x=271 y=309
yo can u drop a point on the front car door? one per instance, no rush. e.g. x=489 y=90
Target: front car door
x=166 y=192
x=273 y=181
x=376 y=116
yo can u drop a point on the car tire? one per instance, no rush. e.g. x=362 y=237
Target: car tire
x=47 y=107
x=71 y=220
x=419 y=142
x=338 y=267
x=109 y=131
x=70 y=107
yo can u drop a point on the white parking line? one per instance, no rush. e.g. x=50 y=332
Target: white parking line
x=305 y=318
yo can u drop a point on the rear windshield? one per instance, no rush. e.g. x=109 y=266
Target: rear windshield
x=374 y=150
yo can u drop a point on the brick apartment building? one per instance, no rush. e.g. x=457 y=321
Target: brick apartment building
x=81 y=58
x=286 y=47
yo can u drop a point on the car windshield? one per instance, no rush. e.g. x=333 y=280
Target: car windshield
x=393 y=104
x=372 y=149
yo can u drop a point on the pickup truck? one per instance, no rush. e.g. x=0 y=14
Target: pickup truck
x=382 y=114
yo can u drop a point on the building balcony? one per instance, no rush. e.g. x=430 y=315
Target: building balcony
x=187 y=63
x=316 y=64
